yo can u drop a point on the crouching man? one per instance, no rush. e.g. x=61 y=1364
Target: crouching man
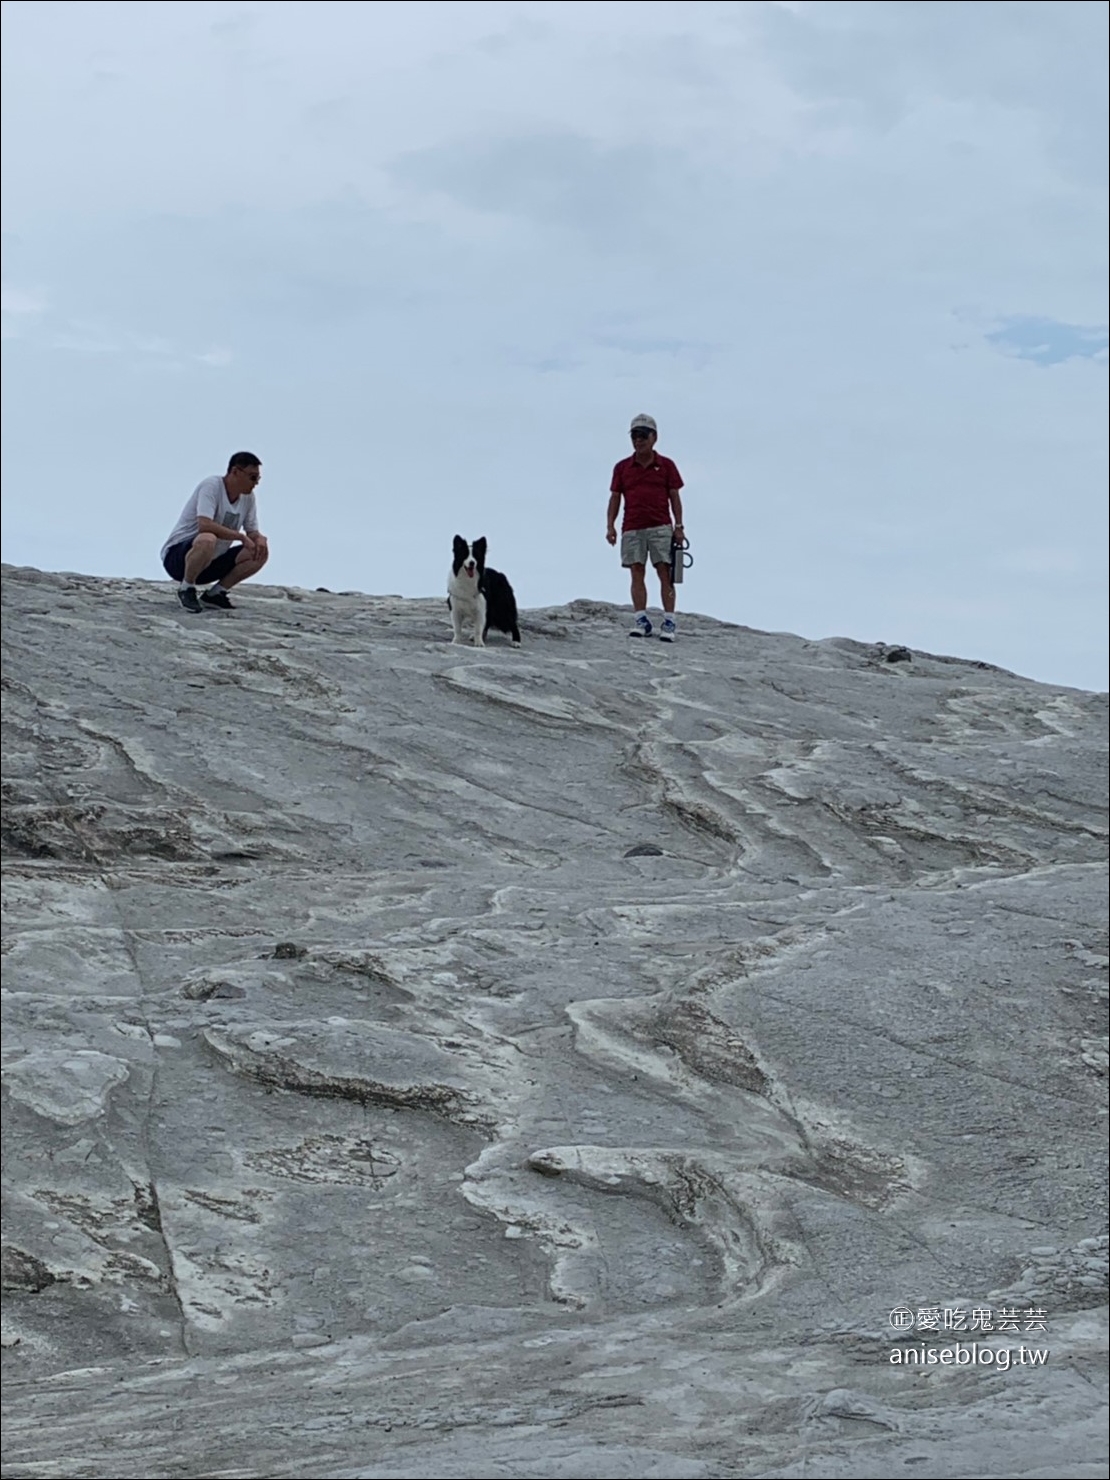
x=217 y=538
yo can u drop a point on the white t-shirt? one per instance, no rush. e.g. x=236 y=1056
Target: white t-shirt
x=209 y=500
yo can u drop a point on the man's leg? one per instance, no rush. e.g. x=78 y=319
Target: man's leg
x=639 y=587
x=666 y=595
x=200 y=554
x=245 y=566
x=666 y=587
x=641 y=626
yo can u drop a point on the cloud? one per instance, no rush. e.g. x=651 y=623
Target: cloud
x=555 y=180
x=82 y=337
x=874 y=64
x=1050 y=342
x=28 y=316
x=1041 y=561
x=19 y=308
x=694 y=351
x=17 y=301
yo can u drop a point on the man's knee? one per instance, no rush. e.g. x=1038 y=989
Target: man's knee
x=638 y=569
x=204 y=544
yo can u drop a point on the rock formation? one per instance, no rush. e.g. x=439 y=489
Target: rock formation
x=422 y=1060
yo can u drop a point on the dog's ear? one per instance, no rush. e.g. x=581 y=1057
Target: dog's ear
x=460 y=544
x=480 y=550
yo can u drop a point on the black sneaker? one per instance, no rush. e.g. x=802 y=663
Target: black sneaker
x=187 y=595
x=218 y=598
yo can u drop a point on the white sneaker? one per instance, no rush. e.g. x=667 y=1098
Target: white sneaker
x=641 y=627
x=668 y=631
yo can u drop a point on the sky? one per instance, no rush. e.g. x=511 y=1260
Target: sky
x=428 y=260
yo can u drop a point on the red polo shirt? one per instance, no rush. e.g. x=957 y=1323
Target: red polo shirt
x=645 y=490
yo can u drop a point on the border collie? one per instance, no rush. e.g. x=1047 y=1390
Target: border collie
x=479 y=597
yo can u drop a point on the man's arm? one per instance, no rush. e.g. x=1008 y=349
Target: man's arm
x=611 y=516
x=251 y=530
x=221 y=531
x=676 y=509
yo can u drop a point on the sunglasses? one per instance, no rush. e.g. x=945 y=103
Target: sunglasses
x=641 y=434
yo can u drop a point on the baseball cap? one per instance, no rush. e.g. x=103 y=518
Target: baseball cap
x=643 y=420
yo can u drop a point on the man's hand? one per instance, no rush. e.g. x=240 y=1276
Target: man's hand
x=611 y=534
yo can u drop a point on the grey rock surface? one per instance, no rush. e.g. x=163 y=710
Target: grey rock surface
x=422 y=1060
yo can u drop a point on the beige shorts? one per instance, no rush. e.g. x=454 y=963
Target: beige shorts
x=638 y=546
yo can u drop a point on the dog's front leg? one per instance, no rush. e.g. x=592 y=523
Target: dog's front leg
x=456 y=623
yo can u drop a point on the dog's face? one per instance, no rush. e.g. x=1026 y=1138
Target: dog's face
x=469 y=560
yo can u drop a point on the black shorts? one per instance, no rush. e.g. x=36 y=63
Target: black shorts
x=174 y=562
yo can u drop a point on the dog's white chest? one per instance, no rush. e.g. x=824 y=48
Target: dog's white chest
x=464 y=589
x=468 y=607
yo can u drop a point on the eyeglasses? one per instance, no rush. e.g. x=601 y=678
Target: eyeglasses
x=640 y=434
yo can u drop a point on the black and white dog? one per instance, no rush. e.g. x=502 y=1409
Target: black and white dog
x=479 y=597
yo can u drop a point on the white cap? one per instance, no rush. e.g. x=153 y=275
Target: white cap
x=643 y=420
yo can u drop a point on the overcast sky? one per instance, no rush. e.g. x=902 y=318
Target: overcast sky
x=427 y=260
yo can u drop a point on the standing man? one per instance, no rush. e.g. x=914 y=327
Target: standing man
x=202 y=546
x=649 y=485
